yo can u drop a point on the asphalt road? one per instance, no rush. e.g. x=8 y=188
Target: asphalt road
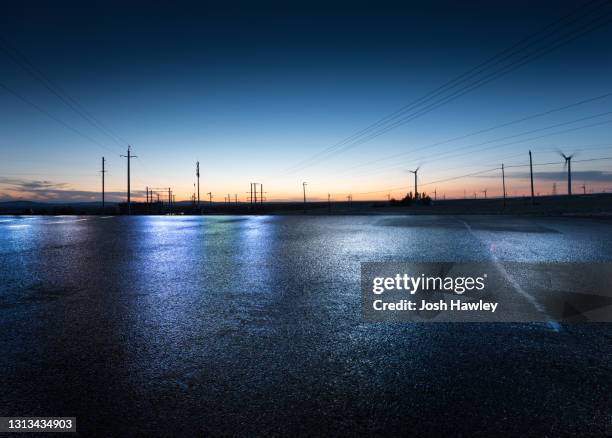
x=252 y=325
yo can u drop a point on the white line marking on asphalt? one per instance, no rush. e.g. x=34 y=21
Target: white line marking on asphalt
x=517 y=287
x=67 y=222
x=106 y=217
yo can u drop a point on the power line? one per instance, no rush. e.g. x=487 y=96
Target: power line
x=489 y=129
x=443 y=155
x=57 y=119
x=442 y=87
x=557 y=162
x=565 y=38
x=513 y=155
x=478 y=84
x=20 y=59
x=531 y=131
x=481 y=172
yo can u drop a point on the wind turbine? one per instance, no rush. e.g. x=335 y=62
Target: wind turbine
x=415 y=171
x=568 y=164
x=485 y=193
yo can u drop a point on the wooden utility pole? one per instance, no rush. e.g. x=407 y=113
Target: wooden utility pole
x=531 y=177
x=103 y=172
x=416 y=193
x=504 y=184
x=198 y=176
x=129 y=156
x=569 y=175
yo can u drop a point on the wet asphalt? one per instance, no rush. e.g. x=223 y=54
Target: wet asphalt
x=195 y=326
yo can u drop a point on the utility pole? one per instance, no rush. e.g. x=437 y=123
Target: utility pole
x=129 y=156
x=261 y=192
x=531 y=176
x=436 y=194
x=416 y=190
x=198 y=176
x=584 y=188
x=485 y=193
x=504 y=182
x=103 y=172
x=236 y=198
x=304 y=188
x=210 y=197
x=329 y=203
x=569 y=176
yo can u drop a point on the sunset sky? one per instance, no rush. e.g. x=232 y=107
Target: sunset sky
x=258 y=92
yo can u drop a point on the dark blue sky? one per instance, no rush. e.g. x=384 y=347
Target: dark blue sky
x=252 y=90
